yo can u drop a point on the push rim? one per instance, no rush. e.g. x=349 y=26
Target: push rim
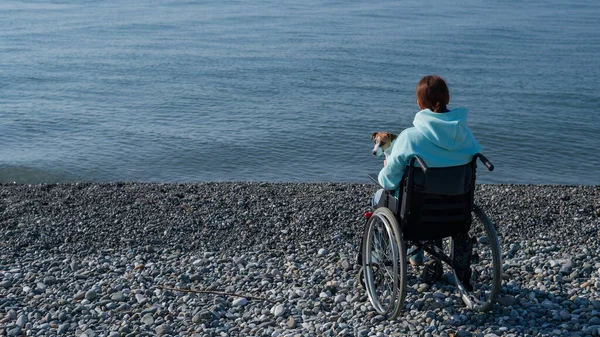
x=486 y=265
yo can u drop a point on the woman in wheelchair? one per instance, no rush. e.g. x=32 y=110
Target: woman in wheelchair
x=441 y=138
x=426 y=204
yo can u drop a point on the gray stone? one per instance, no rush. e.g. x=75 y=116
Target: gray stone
x=21 y=321
x=148 y=319
x=141 y=299
x=278 y=310
x=79 y=296
x=565 y=270
x=464 y=333
x=239 y=302
x=63 y=328
x=203 y=316
x=581 y=301
x=16 y=331
x=163 y=329
x=547 y=304
x=240 y=261
x=377 y=319
x=6 y=284
x=124 y=307
x=506 y=300
x=80 y=276
x=90 y=295
x=118 y=296
x=291 y=322
x=90 y=333
x=363 y=333
x=49 y=280
x=125 y=329
x=197 y=318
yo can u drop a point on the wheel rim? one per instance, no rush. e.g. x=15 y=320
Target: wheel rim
x=380 y=266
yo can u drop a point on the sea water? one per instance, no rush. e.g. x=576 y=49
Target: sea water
x=189 y=91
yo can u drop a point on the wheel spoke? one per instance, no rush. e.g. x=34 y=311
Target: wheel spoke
x=380 y=263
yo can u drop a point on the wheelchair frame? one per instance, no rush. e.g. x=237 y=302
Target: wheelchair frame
x=387 y=296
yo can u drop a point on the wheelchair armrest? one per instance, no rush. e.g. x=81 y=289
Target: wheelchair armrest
x=485 y=161
x=420 y=161
x=373 y=177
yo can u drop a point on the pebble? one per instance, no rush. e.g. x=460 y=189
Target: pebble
x=163 y=329
x=240 y=302
x=63 y=328
x=278 y=310
x=118 y=296
x=148 y=319
x=21 y=321
x=90 y=295
x=291 y=322
x=16 y=331
x=141 y=299
x=363 y=333
x=79 y=296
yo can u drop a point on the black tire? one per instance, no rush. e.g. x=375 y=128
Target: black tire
x=486 y=264
x=384 y=263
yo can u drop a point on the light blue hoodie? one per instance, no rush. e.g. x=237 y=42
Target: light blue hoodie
x=440 y=139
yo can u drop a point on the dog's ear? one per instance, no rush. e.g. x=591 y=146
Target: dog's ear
x=374 y=134
x=393 y=136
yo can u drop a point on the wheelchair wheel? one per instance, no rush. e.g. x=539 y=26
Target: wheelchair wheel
x=384 y=263
x=486 y=264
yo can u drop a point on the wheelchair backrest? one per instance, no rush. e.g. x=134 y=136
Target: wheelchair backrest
x=437 y=202
x=453 y=180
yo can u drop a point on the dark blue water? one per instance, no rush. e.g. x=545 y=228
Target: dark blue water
x=186 y=91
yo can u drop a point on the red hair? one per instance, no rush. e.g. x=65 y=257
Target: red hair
x=433 y=94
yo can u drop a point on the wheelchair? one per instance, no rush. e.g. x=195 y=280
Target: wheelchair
x=434 y=213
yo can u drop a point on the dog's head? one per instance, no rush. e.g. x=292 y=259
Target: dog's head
x=382 y=141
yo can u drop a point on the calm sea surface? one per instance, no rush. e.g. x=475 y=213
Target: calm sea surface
x=188 y=91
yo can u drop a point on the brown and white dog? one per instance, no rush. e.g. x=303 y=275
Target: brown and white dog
x=383 y=142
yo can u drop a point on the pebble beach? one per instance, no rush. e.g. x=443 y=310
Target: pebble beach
x=273 y=259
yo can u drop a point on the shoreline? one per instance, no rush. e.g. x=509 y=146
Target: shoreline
x=97 y=253
x=366 y=181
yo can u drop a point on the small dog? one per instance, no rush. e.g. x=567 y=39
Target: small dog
x=383 y=142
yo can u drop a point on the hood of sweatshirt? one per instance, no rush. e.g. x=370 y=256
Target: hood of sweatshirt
x=447 y=130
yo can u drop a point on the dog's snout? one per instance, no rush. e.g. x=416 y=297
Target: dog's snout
x=374 y=153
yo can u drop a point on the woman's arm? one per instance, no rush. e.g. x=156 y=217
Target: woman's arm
x=391 y=174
